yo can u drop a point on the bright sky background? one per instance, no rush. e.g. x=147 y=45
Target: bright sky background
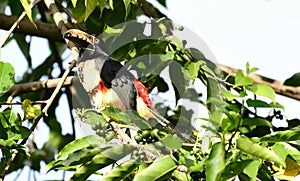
x=265 y=33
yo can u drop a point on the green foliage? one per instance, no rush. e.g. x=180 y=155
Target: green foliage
x=293 y=81
x=157 y=170
x=240 y=142
x=7 y=77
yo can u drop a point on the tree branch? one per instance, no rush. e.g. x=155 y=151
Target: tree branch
x=38 y=85
x=278 y=87
x=42 y=29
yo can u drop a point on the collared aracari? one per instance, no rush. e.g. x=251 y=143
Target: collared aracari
x=109 y=83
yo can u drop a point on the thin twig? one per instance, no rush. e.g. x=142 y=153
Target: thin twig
x=20 y=103
x=17 y=23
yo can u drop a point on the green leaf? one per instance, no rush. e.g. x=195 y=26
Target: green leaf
x=157 y=170
x=283 y=149
x=172 y=141
x=105 y=158
x=90 y=6
x=256 y=122
x=74 y=2
x=215 y=162
x=9 y=144
x=121 y=171
x=78 y=12
x=7 y=77
x=18 y=132
x=191 y=70
x=293 y=81
x=175 y=41
x=111 y=4
x=242 y=80
x=252 y=168
x=281 y=136
x=10 y=117
x=31 y=111
x=250 y=70
x=263 y=104
x=27 y=8
x=126 y=117
x=88 y=141
x=254 y=149
x=127 y=6
x=263 y=90
x=230 y=121
x=90 y=117
x=234 y=168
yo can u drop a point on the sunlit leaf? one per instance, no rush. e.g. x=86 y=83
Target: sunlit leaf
x=215 y=162
x=127 y=6
x=263 y=90
x=121 y=171
x=191 y=70
x=111 y=4
x=74 y=2
x=31 y=111
x=18 y=132
x=252 y=169
x=254 y=149
x=242 y=80
x=250 y=70
x=175 y=41
x=88 y=141
x=9 y=144
x=157 y=169
x=27 y=8
x=7 y=77
x=9 y=117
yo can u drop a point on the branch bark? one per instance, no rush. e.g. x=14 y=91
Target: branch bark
x=45 y=30
x=278 y=87
x=38 y=85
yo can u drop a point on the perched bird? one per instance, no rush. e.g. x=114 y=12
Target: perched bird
x=108 y=82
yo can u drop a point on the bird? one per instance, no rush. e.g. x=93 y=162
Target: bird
x=109 y=83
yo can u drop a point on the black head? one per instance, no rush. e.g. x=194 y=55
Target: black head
x=89 y=45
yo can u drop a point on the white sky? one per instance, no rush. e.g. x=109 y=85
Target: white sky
x=264 y=32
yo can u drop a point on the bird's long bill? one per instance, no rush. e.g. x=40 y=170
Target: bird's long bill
x=81 y=39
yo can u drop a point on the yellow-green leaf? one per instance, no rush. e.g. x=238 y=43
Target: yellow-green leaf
x=27 y=8
x=254 y=149
x=31 y=111
x=74 y=2
x=263 y=90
